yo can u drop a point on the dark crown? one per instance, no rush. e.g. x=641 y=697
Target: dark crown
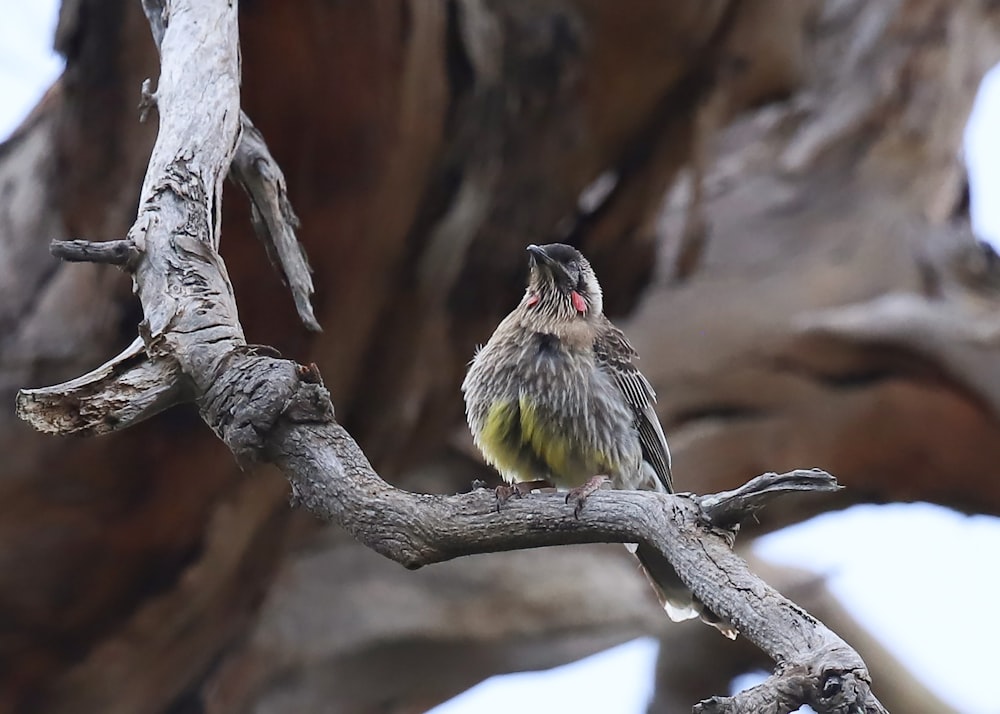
x=562 y=253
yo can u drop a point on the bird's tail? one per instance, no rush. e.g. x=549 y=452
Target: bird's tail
x=677 y=600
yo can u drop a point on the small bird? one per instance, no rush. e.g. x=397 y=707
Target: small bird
x=554 y=397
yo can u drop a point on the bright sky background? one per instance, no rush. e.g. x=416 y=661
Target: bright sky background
x=27 y=63
x=896 y=567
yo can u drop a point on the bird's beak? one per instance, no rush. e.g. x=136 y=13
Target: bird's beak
x=538 y=256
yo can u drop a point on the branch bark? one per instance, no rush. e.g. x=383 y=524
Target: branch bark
x=265 y=408
x=113 y=252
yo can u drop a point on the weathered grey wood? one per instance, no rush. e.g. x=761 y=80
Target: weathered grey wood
x=265 y=408
x=730 y=508
x=113 y=252
x=274 y=220
x=123 y=391
x=254 y=168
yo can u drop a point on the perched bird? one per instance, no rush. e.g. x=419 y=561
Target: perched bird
x=554 y=396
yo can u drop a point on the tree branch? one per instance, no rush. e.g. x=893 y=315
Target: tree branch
x=254 y=169
x=113 y=252
x=730 y=508
x=274 y=221
x=265 y=408
x=123 y=391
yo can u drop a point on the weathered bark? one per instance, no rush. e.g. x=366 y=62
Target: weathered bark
x=471 y=131
x=690 y=663
x=842 y=313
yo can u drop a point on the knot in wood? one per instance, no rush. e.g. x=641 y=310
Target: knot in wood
x=249 y=394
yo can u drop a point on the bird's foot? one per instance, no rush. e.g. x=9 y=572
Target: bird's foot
x=580 y=494
x=518 y=489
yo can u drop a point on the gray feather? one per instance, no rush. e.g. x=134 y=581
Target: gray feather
x=616 y=354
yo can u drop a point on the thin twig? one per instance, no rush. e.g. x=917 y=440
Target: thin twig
x=274 y=221
x=730 y=508
x=113 y=252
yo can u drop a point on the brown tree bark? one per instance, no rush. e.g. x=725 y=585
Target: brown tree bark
x=425 y=143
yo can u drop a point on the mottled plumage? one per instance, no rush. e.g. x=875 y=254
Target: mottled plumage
x=555 y=395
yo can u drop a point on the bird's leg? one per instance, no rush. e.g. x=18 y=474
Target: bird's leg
x=580 y=494
x=518 y=489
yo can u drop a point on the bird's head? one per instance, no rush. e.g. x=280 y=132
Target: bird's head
x=562 y=282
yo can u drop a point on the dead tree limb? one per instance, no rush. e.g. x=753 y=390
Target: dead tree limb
x=265 y=408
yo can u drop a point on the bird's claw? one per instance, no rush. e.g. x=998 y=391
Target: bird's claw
x=518 y=489
x=504 y=492
x=580 y=494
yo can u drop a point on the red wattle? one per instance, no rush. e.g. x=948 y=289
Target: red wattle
x=532 y=300
x=578 y=302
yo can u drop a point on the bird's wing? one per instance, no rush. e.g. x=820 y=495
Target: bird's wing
x=614 y=352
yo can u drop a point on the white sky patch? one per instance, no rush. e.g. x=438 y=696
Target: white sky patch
x=616 y=681
x=924 y=579
x=28 y=66
x=982 y=159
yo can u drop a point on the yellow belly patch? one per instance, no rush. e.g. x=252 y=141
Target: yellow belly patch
x=524 y=447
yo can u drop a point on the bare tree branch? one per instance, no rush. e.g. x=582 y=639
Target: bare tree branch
x=730 y=508
x=266 y=408
x=113 y=252
x=272 y=216
x=254 y=169
x=960 y=336
x=123 y=391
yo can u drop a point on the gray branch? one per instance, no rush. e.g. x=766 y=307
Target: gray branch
x=272 y=216
x=265 y=408
x=253 y=168
x=123 y=391
x=730 y=508
x=113 y=252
